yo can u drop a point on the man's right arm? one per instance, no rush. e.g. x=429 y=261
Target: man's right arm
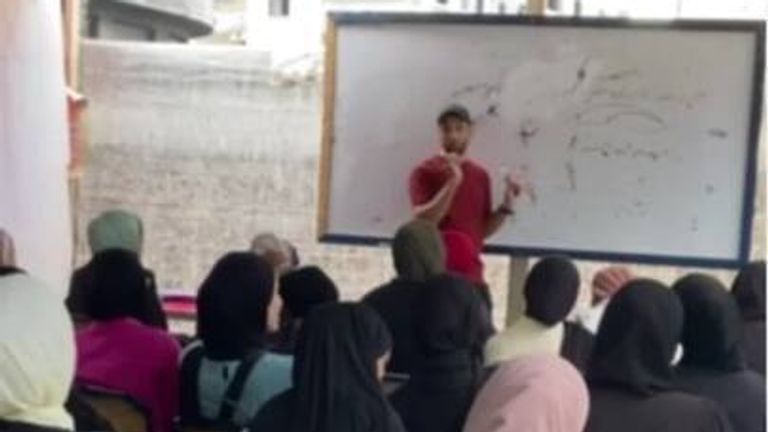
x=435 y=209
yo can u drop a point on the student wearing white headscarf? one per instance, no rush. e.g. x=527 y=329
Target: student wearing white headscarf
x=551 y=290
x=37 y=357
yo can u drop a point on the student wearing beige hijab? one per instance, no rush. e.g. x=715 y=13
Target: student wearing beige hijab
x=37 y=357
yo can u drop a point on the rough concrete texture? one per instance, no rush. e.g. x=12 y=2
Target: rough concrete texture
x=210 y=149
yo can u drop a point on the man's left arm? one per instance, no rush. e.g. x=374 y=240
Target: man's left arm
x=496 y=218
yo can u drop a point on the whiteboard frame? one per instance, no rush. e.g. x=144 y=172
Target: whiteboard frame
x=756 y=28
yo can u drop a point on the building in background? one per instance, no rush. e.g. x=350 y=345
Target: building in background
x=148 y=20
x=292 y=30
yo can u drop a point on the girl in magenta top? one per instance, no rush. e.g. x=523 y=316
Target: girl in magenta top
x=117 y=352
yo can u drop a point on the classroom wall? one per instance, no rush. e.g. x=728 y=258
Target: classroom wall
x=34 y=203
x=210 y=150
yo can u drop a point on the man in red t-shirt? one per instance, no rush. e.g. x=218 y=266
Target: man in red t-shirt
x=454 y=191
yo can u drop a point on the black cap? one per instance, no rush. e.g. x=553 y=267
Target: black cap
x=456 y=111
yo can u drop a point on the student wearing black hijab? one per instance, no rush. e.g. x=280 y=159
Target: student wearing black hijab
x=340 y=360
x=749 y=291
x=712 y=365
x=551 y=290
x=449 y=332
x=630 y=374
x=228 y=375
x=302 y=290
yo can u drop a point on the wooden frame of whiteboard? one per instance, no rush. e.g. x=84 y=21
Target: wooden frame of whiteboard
x=757 y=28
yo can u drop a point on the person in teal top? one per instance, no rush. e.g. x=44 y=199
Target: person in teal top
x=227 y=375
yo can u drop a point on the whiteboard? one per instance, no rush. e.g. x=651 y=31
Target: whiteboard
x=637 y=141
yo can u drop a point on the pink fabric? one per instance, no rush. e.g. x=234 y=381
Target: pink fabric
x=129 y=357
x=462 y=256
x=541 y=393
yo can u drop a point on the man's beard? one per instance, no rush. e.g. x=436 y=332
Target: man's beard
x=459 y=150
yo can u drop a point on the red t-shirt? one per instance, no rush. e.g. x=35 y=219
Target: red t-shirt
x=471 y=206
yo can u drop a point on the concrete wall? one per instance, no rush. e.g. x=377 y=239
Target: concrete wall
x=209 y=149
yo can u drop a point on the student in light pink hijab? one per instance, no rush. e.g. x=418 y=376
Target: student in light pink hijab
x=540 y=393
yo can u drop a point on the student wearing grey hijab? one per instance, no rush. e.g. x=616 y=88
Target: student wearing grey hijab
x=418 y=254
x=114 y=230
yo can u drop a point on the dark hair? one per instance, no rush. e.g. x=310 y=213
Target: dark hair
x=455 y=111
x=117 y=286
x=305 y=288
x=232 y=305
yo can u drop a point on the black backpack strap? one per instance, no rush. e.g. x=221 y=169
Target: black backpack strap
x=189 y=409
x=235 y=389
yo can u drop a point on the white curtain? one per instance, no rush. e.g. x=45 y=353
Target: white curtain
x=34 y=201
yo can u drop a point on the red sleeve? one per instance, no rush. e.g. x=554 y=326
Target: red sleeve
x=421 y=186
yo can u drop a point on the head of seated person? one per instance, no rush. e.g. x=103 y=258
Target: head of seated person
x=417 y=251
x=37 y=354
x=236 y=307
x=302 y=290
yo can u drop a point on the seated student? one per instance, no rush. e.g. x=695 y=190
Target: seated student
x=302 y=290
x=749 y=291
x=631 y=377
x=228 y=375
x=712 y=365
x=37 y=357
x=115 y=229
x=449 y=330
x=551 y=290
x=117 y=352
x=418 y=254
x=539 y=393
x=341 y=356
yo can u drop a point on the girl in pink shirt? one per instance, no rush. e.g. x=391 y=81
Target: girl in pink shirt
x=118 y=353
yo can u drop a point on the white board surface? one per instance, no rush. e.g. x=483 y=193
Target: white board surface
x=634 y=141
